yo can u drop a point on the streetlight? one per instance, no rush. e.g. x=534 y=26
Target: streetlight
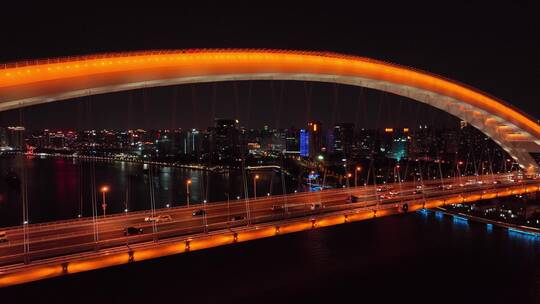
x=228 y=206
x=188 y=182
x=255 y=178
x=310 y=175
x=358 y=169
x=399 y=181
x=348 y=177
x=104 y=190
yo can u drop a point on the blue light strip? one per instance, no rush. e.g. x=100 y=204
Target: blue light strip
x=523 y=232
x=423 y=211
x=460 y=218
x=304 y=143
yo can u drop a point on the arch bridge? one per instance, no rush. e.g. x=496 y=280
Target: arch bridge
x=41 y=81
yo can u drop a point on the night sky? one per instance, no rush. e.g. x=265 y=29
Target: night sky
x=489 y=46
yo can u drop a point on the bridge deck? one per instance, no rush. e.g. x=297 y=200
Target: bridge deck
x=68 y=247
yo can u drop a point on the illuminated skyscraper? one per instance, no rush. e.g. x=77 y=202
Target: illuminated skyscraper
x=304 y=143
x=315 y=138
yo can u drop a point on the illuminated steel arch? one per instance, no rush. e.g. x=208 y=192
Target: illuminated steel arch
x=41 y=81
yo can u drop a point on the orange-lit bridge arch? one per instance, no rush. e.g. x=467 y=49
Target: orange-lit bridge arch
x=41 y=81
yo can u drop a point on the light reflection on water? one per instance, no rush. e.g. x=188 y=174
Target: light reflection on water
x=54 y=187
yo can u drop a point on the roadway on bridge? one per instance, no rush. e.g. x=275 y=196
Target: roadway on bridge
x=74 y=236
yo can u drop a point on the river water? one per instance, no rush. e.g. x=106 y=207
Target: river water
x=60 y=188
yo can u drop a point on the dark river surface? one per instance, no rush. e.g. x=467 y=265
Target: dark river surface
x=421 y=257
x=60 y=188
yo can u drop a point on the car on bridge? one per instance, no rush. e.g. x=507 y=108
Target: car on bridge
x=383 y=188
x=238 y=218
x=353 y=199
x=316 y=206
x=389 y=195
x=445 y=187
x=277 y=208
x=199 y=212
x=159 y=218
x=133 y=231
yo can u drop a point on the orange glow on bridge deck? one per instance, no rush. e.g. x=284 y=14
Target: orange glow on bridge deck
x=434 y=203
x=211 y=241
x=360 y=216
x=99 y=262
x=150 y=253
x=30 y=275
x=471 y=198
x=386 y=212
x=454 y=200
x=331 y=221
x=521 y=191
x=504 y=193
x=416 y=206
x=532 y=188
x=259 y=233
x=295 y=227
x=489 y=195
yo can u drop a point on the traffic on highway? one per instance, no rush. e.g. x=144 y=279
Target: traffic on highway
x=87 y=234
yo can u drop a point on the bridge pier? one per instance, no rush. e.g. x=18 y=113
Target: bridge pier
x=405 y=208
x=65 y=268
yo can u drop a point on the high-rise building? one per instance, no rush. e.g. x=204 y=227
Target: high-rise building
x=394 y=143
x=304 y=143
x=366 y=142
x=277 y=140
x=315 y=138
x=423 y=143
x=193 y=142
x=292 y=141
x=165 y=144
x=400 y=144
x=226 y=139
x=57 y=140
x=12 y=137
x=343 y=135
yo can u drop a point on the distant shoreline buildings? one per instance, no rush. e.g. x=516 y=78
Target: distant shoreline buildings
x=227 y=143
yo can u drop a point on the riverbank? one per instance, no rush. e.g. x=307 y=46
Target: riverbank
x=511 y=227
